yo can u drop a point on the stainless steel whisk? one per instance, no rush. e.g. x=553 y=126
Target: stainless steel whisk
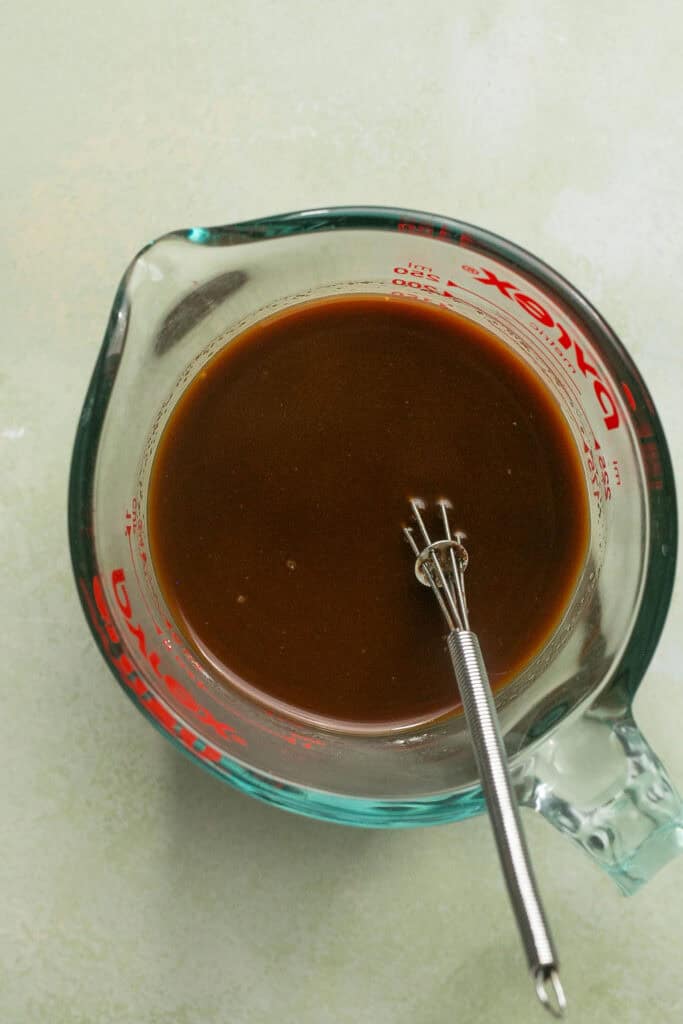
x=441 y=564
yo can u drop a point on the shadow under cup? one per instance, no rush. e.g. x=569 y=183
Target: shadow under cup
x=186 y=296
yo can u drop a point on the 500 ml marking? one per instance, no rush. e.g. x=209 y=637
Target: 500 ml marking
x=421 y=279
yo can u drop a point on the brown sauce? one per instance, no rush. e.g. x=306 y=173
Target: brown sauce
x=280 y=487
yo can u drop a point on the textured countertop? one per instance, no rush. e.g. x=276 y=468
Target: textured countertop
x=134 y=887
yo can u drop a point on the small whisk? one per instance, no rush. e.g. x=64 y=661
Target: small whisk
x=441 y=565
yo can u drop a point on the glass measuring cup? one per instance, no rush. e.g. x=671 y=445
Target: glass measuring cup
x=577 y=755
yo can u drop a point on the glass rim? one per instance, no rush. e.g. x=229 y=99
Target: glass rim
x=659 y=559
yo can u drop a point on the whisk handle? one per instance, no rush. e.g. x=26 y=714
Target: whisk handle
x=482 y=720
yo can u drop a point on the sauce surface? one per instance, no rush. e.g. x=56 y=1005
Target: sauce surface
x=281 y=484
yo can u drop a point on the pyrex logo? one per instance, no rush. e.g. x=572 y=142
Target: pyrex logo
x=610 y=413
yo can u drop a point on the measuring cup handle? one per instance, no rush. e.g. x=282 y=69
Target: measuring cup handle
x=598 y=781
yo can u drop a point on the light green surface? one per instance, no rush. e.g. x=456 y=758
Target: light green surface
x=133 y=887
